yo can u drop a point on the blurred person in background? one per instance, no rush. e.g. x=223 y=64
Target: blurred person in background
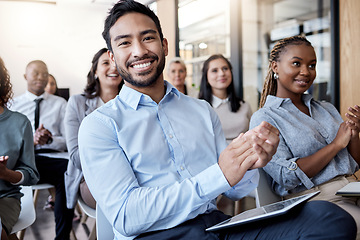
x=103 y=84
x=177 y=75
x=17 y=160
x=217 y=88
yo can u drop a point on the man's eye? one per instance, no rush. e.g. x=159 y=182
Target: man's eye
x=124 y=43
x=148 y=38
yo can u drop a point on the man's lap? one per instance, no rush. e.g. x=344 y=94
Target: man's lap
x=314 y=220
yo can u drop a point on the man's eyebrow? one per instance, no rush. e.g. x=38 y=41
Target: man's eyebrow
x=118 y=37
x=148 y=31
x=121 y=36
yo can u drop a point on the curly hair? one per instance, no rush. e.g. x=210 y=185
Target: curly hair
x=6 y=92
x=270 y=83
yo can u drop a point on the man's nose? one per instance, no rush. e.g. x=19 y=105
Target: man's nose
x=139 y=49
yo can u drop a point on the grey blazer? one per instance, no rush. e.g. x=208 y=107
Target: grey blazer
x=77 y=109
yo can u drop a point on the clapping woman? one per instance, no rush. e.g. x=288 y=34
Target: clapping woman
x=17 y=160
x=317 y=149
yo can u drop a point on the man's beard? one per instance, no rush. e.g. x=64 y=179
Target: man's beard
x=148 y=82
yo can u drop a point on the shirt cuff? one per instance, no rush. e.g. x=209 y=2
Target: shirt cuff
x=212 y=182
x=21 y=180
x=291 y=165
x=245 y=187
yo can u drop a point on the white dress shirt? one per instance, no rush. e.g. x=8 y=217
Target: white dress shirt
x=52 y=112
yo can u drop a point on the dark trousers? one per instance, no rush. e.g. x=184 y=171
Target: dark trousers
x=313 y=220
x=52 y=171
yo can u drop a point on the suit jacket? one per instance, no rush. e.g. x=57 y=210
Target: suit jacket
x=77 y=109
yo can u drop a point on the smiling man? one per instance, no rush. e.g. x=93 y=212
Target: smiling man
x=155 y=159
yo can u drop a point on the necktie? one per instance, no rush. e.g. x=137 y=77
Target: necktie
x=37 y=111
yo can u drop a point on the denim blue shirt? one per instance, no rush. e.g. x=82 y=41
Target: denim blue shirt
x=301 y=136
x=153 y=166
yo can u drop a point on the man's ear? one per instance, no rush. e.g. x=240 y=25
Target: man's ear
x=25 y=76
x=111 y=56
x=165 y=46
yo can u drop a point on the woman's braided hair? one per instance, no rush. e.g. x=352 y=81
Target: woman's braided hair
x=270 y=84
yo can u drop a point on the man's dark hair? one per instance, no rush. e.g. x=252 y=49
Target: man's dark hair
x=120 y=9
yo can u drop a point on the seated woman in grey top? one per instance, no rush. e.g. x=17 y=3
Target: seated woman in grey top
x=103 y=84
x=17 y=160
x=317 y=149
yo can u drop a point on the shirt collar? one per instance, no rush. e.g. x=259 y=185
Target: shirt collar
x=32 y=96
x=134 y=98
x=216 y=102
x=276 y=102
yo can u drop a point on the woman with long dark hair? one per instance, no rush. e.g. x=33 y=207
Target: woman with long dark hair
x=217 y=88
x=103 y=84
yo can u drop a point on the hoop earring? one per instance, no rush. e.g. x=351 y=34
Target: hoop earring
x=276 y=76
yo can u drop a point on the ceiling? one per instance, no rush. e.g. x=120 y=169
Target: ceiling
x=100 y=2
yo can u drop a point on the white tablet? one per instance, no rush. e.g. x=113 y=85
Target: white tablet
x=267 y=211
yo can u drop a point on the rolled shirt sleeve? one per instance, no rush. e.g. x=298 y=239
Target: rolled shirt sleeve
x=301 y=136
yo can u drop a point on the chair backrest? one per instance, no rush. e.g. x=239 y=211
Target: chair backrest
x=27 y=214
x=85 y=208
x=104 y=229
x=263 y=193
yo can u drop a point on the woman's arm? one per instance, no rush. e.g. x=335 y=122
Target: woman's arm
x=8 y=174
x=354 y=121
x=26 y=160
x=314 y=163
x=72 y=124
x=302 y=152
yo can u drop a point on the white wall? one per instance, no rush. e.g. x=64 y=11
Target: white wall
x=65 y=36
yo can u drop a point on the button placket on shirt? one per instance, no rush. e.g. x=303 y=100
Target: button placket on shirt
x=177 y=155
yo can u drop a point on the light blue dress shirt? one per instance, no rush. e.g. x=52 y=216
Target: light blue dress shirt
x=301 y=136
x=153 y=166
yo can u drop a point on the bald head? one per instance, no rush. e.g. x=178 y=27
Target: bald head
x=36 y=75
